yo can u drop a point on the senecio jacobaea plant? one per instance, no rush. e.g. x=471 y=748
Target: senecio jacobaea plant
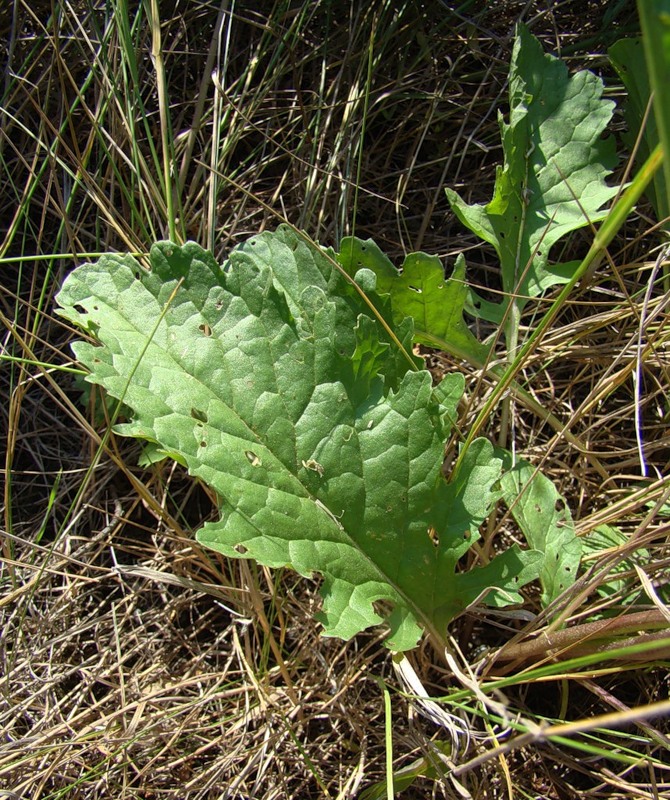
x=285 y=380
x=272 y=380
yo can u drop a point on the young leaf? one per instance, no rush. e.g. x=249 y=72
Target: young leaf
x=546 y=523
x=267 y=378
x=420 y=290
x=553 y=153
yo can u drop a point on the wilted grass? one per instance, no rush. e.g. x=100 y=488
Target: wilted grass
x=134 y=663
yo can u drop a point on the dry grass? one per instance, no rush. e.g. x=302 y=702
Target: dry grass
x=135 y=664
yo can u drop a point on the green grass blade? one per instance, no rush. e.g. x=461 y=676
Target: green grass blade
x=655 y=21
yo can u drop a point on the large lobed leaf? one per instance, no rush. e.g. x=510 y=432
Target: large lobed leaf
x=552 y=180
x=274 y=383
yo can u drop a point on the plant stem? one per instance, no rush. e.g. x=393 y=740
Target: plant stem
x=591 y=637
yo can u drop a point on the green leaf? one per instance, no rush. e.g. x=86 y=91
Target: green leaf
x=546 y=523
x=273 y=382
x=553 y=153
x=420 y=290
